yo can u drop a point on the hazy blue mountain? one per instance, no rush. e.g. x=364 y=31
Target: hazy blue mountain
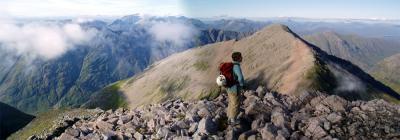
x=239 y=25
x=362 y=51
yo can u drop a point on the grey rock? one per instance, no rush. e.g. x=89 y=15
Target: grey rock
x=104 y=125
x=162 y=133
x=193 y=128
x=151 y=124
x=108 y=135
x=207 y=126
x=113 y=121
x=124 y=119
x=66 y=136
x=327 y=125
x=138 y=136
x=314 y=129
x=260 y=91
x=203 y=112
x=334 y=117
x=336 y=103
x=72 y=132
x=277 y=117
x=268 y=132
x=178 y=125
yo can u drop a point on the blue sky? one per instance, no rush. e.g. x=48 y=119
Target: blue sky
x=380 y=9
x=389 y=9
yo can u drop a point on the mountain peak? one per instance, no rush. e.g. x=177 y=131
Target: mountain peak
x=277 y=27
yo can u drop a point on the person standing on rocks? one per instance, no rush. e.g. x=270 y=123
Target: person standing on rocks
x=232 y=73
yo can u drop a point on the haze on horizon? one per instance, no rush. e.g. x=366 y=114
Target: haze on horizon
x=354 y=9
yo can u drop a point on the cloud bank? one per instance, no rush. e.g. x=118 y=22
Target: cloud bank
x=42 y=40
x=172 y=31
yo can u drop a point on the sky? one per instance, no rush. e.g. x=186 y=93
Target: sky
x=359 y=9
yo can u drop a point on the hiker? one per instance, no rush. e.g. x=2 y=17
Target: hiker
x=234 y=82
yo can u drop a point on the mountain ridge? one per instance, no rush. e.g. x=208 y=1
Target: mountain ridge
x=295 y=65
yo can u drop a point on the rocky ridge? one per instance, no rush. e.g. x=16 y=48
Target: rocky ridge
x=264 y=115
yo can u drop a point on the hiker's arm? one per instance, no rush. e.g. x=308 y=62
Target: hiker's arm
x=238 y=73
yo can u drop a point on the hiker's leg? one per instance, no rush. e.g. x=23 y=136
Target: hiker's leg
x=233 y=105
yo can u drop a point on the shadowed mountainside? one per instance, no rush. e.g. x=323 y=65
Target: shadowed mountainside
x=11 y=120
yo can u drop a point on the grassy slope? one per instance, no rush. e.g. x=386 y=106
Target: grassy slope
x=108 y=98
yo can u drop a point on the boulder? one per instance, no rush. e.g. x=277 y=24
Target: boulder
x=314 y=130
x=260 y=91
x=138 y=136
x=66 y=136
x=268 y=132
x=277 y=117
x=207 y=126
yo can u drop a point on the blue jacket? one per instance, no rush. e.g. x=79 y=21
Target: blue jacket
x=237 y=71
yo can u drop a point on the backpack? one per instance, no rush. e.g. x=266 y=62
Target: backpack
x=226 y=71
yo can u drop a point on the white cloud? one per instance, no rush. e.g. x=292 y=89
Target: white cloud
x=56 y=8
x=175 y=32
x=42 y=40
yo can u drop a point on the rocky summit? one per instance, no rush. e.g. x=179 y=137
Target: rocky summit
x=263 y=115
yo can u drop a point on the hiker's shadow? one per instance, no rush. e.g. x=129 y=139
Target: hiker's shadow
x=253 y=83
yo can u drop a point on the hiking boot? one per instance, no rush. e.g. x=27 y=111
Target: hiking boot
x=233 y=122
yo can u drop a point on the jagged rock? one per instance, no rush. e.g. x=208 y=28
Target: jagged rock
x=314 y=129
x=162 y=133
x=72 y=132
x=247 y=134
x=180 y=125
x=252 y=137
x=207 y=126
x=327 y=125
x=284 y=132
x=104 y=125
x=193 y=127
x=199 y=137
x=336 y=103
x=124 y=119
x=91 y=136
x=138 y=136
x=321 y=109
x=256 y=124
x=108 y=135
x=334 y=117
x=280 y=137
x=275 y=116
x=113 y=121
x=268 y=132
x=260 y=91
x=66 y=136
x=203 y=112
x=151 y=124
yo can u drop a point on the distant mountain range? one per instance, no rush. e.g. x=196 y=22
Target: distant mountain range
x=126 y=46
x=119 y=50
x=274 y=57
x=362 y=51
